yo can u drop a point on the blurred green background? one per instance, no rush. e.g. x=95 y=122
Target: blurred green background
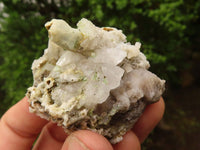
x=169 y=31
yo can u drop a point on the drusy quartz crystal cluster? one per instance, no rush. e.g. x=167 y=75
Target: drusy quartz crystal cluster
x=92 y=78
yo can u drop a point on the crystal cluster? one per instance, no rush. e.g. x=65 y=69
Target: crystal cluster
x=92 y=78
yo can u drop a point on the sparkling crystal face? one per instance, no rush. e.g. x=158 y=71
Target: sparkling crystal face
x=91 y=78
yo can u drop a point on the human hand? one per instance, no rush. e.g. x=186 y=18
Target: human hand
x=19 y=129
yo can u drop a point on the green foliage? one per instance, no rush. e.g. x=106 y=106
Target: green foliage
x=164 y=27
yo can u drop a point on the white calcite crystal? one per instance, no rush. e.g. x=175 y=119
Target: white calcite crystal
x=92 y=78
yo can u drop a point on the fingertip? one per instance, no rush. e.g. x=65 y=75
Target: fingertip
x=149 y=119
x=162 y=106
x=51 y=133
x=19 y=117
x=84 y=140
x=56 y=131
x=130 y=142
x=157 y=109
x=19 y=127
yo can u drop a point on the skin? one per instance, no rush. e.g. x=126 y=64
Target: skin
x=19 y=129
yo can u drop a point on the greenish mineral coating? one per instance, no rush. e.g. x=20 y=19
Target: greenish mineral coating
x=92 y=78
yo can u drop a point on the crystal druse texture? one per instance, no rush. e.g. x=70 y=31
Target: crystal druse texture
x=92 y=78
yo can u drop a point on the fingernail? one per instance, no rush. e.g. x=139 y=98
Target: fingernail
x=75 y=144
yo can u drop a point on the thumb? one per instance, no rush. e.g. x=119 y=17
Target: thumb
x=86 y=140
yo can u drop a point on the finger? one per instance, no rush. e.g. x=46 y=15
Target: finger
x=129 y=142
x=52 y=137
x=86 y=140
x=19 y=128
x=149 y=119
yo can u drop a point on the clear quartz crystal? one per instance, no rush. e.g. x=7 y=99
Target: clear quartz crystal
x=92 y=78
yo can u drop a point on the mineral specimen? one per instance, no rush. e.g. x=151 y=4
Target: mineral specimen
x=92 y=78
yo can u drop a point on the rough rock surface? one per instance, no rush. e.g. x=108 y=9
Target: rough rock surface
x=91 y=78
